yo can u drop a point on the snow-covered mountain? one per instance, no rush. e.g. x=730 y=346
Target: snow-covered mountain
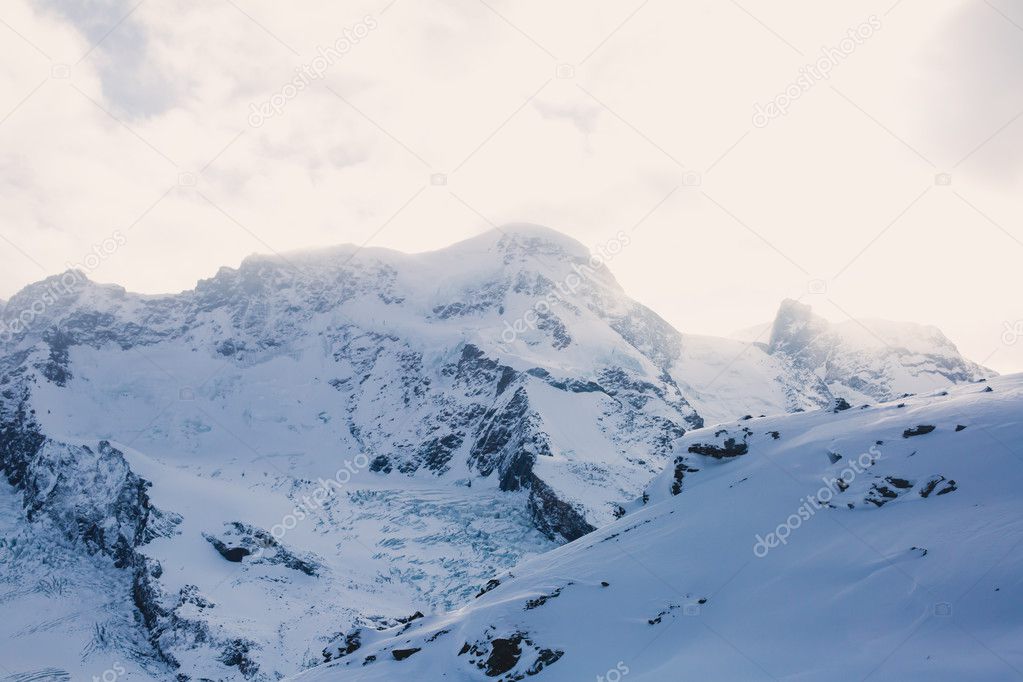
x=218 y=483
x=869 y=360
x=879 y=543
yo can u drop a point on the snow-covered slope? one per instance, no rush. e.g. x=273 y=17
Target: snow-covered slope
x=332 y=439
x=883 y=542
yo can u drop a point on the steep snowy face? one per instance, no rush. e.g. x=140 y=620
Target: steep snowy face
x=863 y=360
x=881 y=542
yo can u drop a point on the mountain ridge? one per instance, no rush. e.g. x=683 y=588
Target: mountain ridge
x=490 y=401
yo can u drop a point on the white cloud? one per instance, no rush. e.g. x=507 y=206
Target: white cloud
x=658 y=93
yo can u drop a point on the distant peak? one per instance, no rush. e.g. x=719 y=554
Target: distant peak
x=793 y=309
x=796 y=326
x=67 y=282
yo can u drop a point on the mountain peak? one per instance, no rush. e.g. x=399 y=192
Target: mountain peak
x=38 y=296
x=795 y=326
x=525 y=239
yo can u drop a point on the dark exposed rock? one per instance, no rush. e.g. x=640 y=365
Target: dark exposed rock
x=236 y=655
x=681 y=469
x=437 y=452
x=929 y=487
x=656 y=620
x=240 y=541
x=402 y=654
x=570 y=385
x=918 y=431
x=879 y=495
x=504 y=654
x=730 y=448
x=236 y=554
x=56 y=367
x=555 y=329
x=491 y=584
x=408 y=619
x=509 y=441
x=554 y=517
x=544 y=658
x=380 y=463
x=350 y=644
x=542 y=599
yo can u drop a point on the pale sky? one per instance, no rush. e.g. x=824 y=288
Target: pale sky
x=889 y=189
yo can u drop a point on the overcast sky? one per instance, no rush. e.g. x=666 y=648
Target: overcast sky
x=890 y=187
